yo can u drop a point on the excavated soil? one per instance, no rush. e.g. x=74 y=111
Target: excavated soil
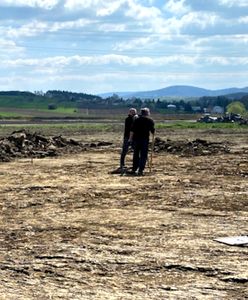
x=71 y=230
x=23 y=143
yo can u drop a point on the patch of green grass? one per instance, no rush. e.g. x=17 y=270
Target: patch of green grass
x=58 y=128
x=35 y=102
x=197 y=125
x=66 y=110
x=24 y=113
x=22 y=102
x=10 y=115
x=60 y=110
x=102 y=127
x=4 y=115
x=76 y=126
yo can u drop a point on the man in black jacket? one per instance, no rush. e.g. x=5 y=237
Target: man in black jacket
x=132 y=115
x=139 y=135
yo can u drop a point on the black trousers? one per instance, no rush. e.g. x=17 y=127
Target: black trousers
x=140 y=154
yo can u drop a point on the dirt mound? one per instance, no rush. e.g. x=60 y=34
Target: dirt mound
x=21 y=144
x=190 y=148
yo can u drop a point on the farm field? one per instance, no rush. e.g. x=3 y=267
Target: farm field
x=70 y=229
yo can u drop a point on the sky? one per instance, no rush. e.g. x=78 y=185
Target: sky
x=98 y=46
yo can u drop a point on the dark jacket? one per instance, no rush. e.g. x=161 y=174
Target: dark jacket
x=142 y=126
x=128 y=125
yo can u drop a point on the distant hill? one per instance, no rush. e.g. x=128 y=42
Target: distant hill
x=178 y=91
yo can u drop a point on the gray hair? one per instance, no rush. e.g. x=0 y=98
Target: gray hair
x=132 y=111
x=145 y=111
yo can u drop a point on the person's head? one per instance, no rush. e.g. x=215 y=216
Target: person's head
x=145 y=111
x=132 y=112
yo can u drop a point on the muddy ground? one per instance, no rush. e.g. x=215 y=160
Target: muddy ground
x=71 y=230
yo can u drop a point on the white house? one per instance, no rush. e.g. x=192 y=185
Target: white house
x=171 y=106
x=217 y=110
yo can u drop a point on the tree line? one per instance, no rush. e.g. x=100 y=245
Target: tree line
x=83 y=100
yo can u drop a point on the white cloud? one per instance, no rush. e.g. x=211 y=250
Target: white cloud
x=104 y=7
x=109 y=8
x=9 y=48
x=8 y=44
x=177 y=7
x=139 y=12
x=231 y=3
x=232 y=44
x=243 y=20
x=36 y=27
x=201 y=19
x=137 y=43
x=28 y=30
x=112 y=27
x=70 y=24
x=116 y=81
x=78 y=4
x=150 y=36
x=101 y=8
x=46 y=4
x=60 y=63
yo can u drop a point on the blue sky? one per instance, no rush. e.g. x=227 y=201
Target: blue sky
x=96 y=46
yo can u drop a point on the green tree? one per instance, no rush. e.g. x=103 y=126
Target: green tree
x=236 y=107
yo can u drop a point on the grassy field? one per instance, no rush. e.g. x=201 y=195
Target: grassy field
x=39 y=109
x=197 y=125
x=104 y=125
x=61 y=128
x=6 y=115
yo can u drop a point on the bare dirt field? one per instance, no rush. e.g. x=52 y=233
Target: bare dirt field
x=71 y=230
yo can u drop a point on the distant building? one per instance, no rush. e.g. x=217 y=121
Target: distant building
x=196 y=108
x=217 y=110
x=171 y=106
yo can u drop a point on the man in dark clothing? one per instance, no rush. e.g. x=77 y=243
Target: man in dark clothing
x=140 y=132
x=132 y=114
